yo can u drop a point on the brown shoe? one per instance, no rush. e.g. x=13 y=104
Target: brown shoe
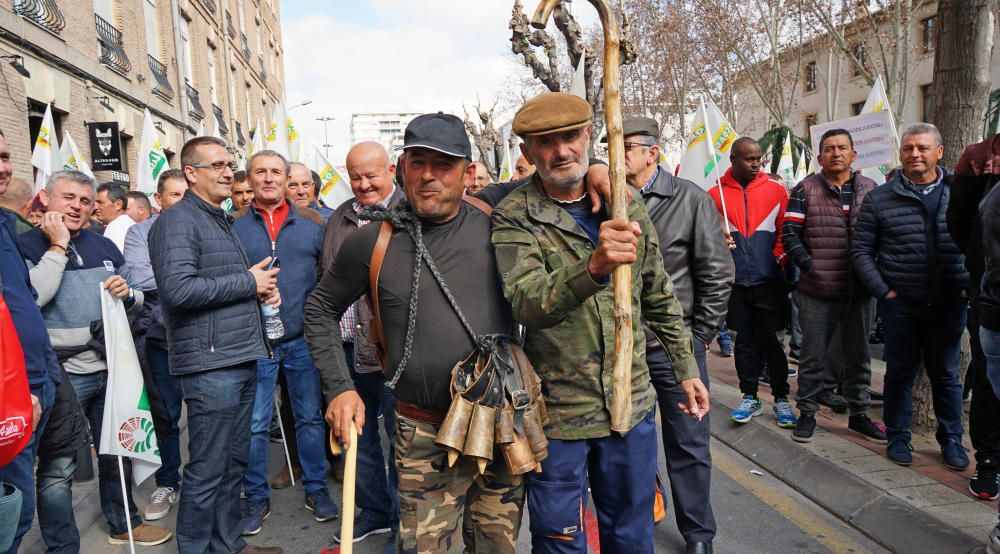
x=283 y=479
x=338 y=469
x=144 y=535
x=251 y=549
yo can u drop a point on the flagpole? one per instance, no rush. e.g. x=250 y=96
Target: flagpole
x=284 y=443
x=709 y=140
x=125 y=503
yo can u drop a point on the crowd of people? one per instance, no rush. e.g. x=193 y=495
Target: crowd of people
x=509 y=283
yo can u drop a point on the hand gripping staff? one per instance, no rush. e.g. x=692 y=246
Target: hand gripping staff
x=621 y=376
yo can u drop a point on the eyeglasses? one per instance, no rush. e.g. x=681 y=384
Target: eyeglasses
x=219 y=167
x=631 y=145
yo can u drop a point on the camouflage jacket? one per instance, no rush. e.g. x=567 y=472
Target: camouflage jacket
x=542 y=256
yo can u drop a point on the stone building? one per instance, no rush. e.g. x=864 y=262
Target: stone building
x=192 y=63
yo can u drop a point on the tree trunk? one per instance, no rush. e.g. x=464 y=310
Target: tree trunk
x=923 y=405
x=964 y=45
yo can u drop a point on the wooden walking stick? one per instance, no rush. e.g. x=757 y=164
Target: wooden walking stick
x=621 y=376
x=347 y=505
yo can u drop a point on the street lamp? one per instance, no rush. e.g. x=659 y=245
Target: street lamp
x=305 y=103
x=326 y=134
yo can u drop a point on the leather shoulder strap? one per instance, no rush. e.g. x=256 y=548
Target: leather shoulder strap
x=478 y=204
x=378 y=256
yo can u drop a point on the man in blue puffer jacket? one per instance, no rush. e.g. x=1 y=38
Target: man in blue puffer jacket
x=908 y=261
x=273 y=226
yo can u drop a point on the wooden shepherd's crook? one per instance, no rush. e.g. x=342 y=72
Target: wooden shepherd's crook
x=621 y=376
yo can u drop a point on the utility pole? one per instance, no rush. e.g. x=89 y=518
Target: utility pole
x=326 y=134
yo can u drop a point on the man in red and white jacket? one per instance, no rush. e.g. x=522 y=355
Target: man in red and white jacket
x=754 y=206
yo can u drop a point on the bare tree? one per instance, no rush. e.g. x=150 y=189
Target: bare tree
x=485 y=137
x=963 y=49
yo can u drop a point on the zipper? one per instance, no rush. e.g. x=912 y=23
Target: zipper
x=211 y=332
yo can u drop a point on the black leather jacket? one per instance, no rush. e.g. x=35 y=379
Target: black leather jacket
x=694 y=251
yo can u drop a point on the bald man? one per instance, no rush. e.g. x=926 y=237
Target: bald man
x=523 y=169
x=16 y=202
x=371 y=173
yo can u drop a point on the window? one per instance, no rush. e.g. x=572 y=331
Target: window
x=257 y=34
x=186 y=50
x=211 y=76
x=811 y=119
x=927 y=102
x=857 y=107
x=152 y=38
x=811 y=76
x=861 y=54
x=927 y=34
x=239 y=13
x=105 y=9
x=233 y=91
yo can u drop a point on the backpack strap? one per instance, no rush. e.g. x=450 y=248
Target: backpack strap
x=375 y=268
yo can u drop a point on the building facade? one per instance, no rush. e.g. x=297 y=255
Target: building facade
x=195 y=64
x=385 y=128
x=824 y=82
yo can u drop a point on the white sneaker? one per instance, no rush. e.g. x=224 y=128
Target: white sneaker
x=993 y=542
x=160 y=502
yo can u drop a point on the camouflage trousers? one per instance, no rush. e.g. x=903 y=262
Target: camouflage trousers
x=440 y=507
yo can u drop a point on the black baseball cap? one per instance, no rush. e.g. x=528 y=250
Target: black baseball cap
x=438 y=131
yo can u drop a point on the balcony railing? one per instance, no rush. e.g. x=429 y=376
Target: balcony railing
x=240 y=139
x=112 y=48
x=210 y=4
x=246 y=46
x=229 y=25
x=162 y=87
x=44 y=13
x=260 y=65
x=220 y=120
x=196 y=111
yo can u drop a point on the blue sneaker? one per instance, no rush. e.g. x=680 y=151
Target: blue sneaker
x=783 y=413
x=321 y=506
x=366 y=526
x=954 y=455
x=726 y=349
x=899 y=452
x=254 y=514
x=748 y=408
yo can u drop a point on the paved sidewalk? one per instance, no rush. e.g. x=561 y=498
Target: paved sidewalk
x=923 y=508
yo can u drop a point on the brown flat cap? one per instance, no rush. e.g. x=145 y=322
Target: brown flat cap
x=552 y=112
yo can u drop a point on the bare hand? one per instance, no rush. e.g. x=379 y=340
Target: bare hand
x=117 y=286
x=697 y=404
x=891 y=294
x=55 y=229
x=598 y=183
x=267 y=279
x=342 y=409
x=272 y=299
x=616 y=245
x=36 y=412
x=730 y=241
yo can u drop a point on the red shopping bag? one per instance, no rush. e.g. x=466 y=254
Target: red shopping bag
x=15 y=408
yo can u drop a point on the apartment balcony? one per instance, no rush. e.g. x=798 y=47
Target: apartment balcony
x=112 y=47
x=44 y=13
x=196 y=111
x=220 y=120
x=162 y=87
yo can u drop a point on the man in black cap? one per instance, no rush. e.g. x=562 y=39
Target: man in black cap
x=697 y=259
x=436 y=171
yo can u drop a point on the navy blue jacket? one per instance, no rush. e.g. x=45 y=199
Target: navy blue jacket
x=898 y=245
x=299 y=248
x=207 y=294
x=39 y=359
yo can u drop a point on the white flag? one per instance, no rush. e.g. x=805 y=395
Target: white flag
x=278 y=138
x=152 y=160
x=877 y=101
x=127 y=426
x=71 y=157
x=507 y=166
x=786 y=167
x=45 y=156
x=334 y=190
x=801 y=172
x=257 y=140
x=704 y=159
x=579 y=84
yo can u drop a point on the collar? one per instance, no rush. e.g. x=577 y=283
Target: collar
x=540 y=207
x=202 y=204
x=357 y=207
x=922 y=189
x=651 y=180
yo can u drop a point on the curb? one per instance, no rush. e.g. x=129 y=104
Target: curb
x=885 y=519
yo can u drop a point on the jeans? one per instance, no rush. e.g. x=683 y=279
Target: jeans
x=685 y=447
x=90 y=390
x=305 y=392
x=621 y=472
x=219 y=402
x=379 y=498
x=168 y=475
x=821 y=320
x=913 y=330
x=20 y=472
x=991 y=348
x=55 y=504
x=984 y=412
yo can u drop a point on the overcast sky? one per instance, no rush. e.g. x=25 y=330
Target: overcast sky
x=351 y=56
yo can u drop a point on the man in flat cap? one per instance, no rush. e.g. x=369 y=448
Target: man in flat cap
x=698 y=262
x=556 y=255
